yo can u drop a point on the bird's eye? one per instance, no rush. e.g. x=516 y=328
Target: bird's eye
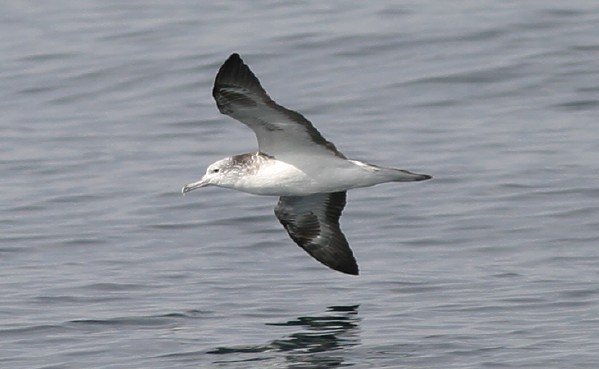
x=215 y=170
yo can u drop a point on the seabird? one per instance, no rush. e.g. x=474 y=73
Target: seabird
x=295 y=162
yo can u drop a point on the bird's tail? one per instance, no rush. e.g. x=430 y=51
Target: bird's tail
x=400 y=175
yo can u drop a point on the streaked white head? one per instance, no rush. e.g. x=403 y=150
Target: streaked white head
x=222 y=173
x=226 y=172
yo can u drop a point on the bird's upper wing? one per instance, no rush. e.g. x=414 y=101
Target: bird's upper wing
x=313 y=223
x=281 y=132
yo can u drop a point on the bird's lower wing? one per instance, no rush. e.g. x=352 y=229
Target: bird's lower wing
x=313 y=223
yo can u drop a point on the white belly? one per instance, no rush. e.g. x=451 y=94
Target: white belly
x=278 y=178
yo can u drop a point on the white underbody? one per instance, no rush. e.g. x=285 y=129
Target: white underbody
x=322 y=175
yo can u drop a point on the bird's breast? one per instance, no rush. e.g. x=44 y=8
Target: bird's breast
x=280 y=178
x=277 y=178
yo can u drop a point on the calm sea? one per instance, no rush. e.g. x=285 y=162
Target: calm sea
x=106 y=111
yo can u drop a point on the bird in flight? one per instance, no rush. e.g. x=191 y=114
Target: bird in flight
x=295 y=162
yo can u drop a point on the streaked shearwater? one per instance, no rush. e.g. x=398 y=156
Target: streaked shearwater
x=294 y=162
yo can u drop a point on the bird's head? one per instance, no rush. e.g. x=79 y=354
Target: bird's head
x=222 y=173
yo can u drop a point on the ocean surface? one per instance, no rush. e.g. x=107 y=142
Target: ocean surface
x=106 y=112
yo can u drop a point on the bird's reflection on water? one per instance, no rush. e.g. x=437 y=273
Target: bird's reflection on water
x=318 y=343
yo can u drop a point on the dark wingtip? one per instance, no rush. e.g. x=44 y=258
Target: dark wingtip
x=234 y=72
x=234 y=58
x=348 y=267
x=232 y=64
x=353 y=271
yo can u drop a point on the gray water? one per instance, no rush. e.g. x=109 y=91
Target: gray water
x=107 y=111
